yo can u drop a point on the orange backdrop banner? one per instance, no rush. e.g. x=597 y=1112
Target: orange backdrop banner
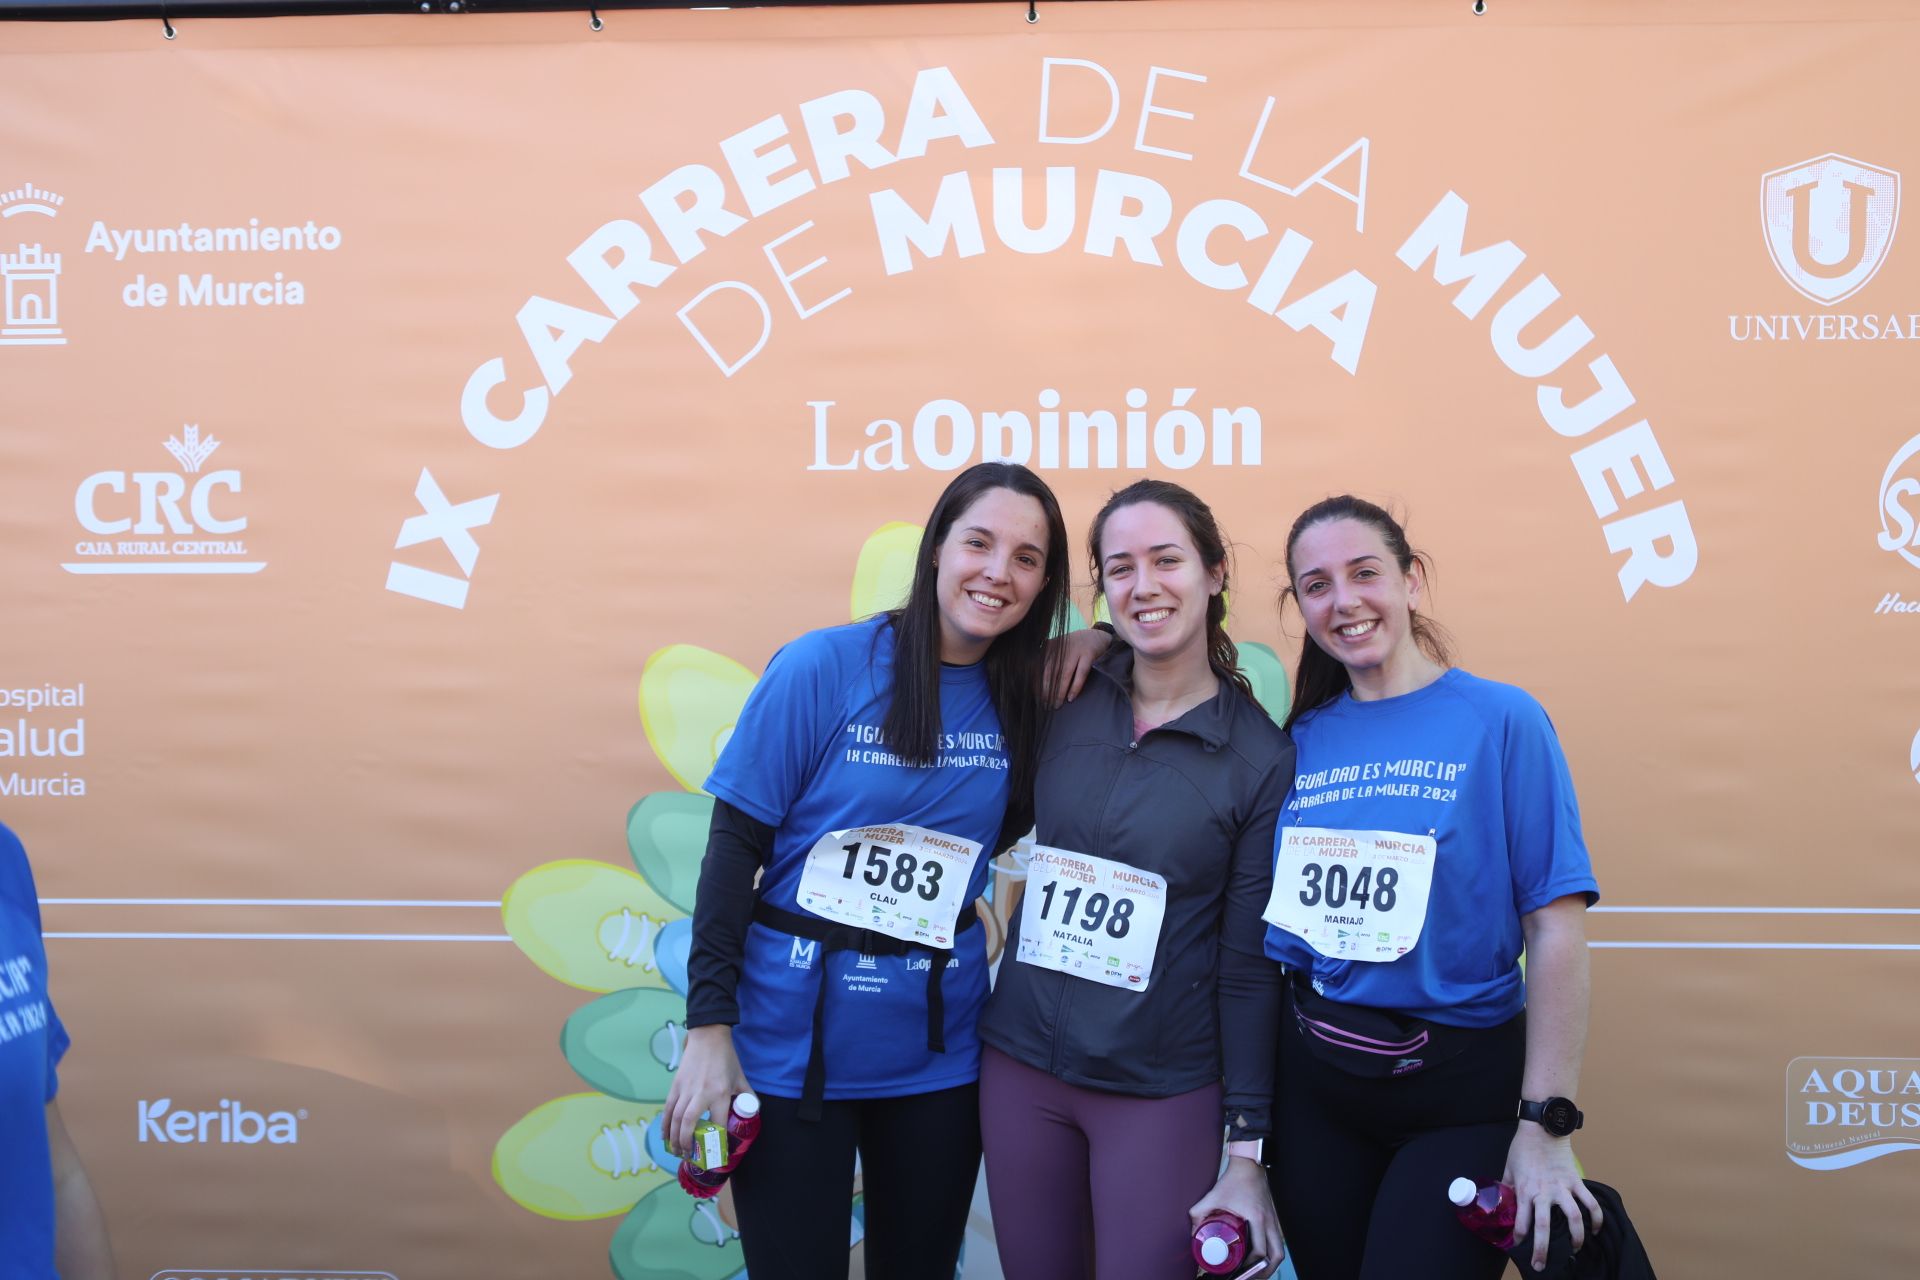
x=419 y=432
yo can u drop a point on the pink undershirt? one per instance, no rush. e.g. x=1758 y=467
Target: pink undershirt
x=1142 y=727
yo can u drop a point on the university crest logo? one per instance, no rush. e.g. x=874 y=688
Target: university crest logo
x=1829 y=223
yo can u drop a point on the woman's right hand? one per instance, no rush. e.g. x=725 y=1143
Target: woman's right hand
x=1242 y=1191
x=708 y=1077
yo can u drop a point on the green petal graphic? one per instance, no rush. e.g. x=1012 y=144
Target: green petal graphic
x=672 y=1236
x=1269 y=676
x=579 y=1156
x=628 y=1044
x=667 y=834
x=689 y=700
x=884 y=572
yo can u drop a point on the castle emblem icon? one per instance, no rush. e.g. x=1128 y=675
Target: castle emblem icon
x=31 y=276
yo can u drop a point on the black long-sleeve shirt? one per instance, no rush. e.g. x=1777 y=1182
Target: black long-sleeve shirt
x=738 y=846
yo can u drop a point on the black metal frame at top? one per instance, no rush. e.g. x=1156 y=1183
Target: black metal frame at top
x=108 y=10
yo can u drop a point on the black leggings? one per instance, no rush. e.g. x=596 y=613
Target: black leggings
x=1361 y=1166
x=919 y=1156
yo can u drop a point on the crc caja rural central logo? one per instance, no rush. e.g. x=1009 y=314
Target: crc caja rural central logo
x=179 y=520
x=1829 y=223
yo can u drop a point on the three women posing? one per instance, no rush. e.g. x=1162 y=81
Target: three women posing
x=1135 y=1015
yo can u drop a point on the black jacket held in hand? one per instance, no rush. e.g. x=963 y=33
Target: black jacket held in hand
x=1612 y=1253
x=1195 y=801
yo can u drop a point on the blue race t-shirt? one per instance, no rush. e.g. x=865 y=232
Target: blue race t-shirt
x=1476 y=764
x=32 y=1042
x=806 y=758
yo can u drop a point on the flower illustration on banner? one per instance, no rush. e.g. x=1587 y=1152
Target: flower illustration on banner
x=625 y=934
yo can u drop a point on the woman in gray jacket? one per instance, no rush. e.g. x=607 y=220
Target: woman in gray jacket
x=1135 y=1014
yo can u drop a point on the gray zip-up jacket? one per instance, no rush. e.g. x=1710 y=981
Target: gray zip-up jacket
x=1194 y=800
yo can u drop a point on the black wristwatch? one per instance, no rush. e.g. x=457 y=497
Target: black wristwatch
x=1558 y=1116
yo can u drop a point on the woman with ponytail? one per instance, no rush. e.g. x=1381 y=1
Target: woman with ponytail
x=1137 y=981
x=1432 y=834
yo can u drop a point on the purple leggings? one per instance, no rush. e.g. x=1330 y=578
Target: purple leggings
x=1088 y=1185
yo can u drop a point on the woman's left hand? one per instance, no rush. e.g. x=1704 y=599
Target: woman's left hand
x=1543 y=1175
x=1242 y=1190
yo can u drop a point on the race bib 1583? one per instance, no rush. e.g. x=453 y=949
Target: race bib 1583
x=900 y=880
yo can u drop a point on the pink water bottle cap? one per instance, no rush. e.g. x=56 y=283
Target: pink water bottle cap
x=1214 y=1251
x=746 y=1105
x=1462 y=1191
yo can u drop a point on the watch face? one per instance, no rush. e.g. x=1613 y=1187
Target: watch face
x=1559 y=1117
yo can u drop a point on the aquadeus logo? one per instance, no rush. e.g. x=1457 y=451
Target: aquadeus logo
x=229 y=1123
x=1846 y=1111
x=1829 y=223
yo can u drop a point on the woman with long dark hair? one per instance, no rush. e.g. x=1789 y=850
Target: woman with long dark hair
x=875 y=770
x=1432 y=835
x=1137 y=982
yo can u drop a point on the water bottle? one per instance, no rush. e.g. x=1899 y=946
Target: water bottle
x=743 y=1122
x=698 y=1183
x=717 y=1151
x=1486 y=1211
x=1220 y=1242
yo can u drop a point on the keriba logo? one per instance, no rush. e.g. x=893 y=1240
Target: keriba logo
x=1829 y=223
x=230 y=1122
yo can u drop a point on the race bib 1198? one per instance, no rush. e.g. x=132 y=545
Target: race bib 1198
x=1091 y=917
x=1352 y=895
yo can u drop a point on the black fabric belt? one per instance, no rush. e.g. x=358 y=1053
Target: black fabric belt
x=839 y=937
